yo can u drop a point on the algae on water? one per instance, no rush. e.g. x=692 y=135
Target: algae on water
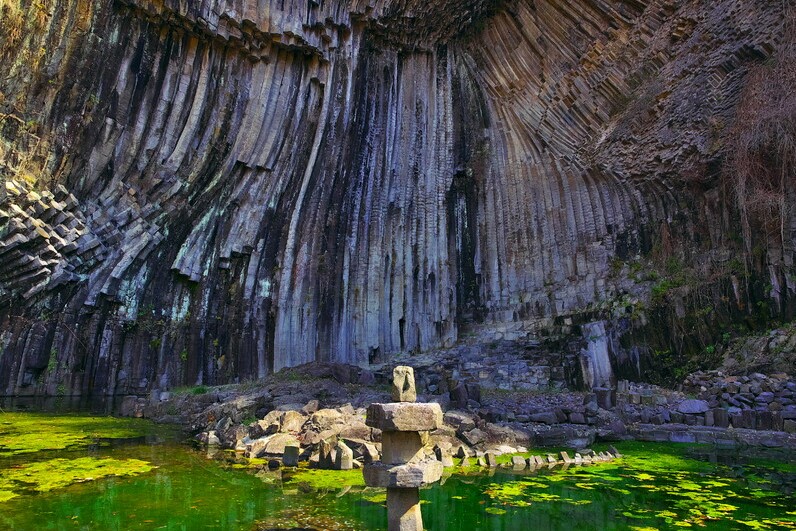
x=44 y=476
x=318 y=479
x=22 y=433
x=679 y=491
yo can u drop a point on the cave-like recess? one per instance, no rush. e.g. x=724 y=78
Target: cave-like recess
x=208 y=191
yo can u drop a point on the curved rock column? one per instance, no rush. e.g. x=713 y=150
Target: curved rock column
x=404 y=466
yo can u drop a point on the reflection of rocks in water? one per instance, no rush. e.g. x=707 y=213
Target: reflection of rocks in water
x=304 y=519
x=733 y=457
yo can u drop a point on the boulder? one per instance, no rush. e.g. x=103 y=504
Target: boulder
x=311 y=437
x=356 y=430
x=692 y=406
x=261 y=428
x=275 y=444
x=458 y=394
x=232 y=435
x=212 y=439
x=577 y=418
x=292 y=421
x=344 y=459
x=291 y=455
x=326 y=456
x=347 y=410
x=491 y=460
x=459 y=420
x=324 y=419
x=506 y=449
x=443 y=456
x=606 y=398
x=546 y=417
x=474 y=437
x=462 y=452
x=256 y=447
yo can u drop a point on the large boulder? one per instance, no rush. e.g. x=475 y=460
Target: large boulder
x=273 y=445
x=324 y=419
x=292 y=421
x=459 y=420
x=474 y=437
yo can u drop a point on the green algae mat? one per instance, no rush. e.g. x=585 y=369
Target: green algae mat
x=41 y=453
x=77 y=472
x=22 y=433
x=654 y=487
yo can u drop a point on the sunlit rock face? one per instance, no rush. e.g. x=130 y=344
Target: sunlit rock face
x=210 y=191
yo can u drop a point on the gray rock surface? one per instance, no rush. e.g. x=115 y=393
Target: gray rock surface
x=692 y=406
x=404 y=416
x=206 y=192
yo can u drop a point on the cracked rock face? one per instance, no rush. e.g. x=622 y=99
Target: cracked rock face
x=209 y=191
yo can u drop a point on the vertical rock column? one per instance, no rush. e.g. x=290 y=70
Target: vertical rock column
x=404 y=466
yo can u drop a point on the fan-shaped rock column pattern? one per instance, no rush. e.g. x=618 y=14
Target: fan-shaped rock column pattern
x=271 y=184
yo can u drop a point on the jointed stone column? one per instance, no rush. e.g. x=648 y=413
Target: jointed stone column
x=404 y=466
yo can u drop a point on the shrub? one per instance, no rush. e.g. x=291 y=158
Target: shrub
x=761 y=144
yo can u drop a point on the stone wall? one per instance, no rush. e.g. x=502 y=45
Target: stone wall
x=754 y=402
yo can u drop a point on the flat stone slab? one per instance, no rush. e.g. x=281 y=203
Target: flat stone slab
x=411 y=475
x=404 y=416
x=692 y=406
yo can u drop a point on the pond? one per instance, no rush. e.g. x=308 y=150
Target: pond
x=83 y=472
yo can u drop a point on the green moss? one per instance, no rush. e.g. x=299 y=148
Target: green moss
x=22 y=433
x=249 y=462
x=379 y=497
x=44 y=476
x=327 y=479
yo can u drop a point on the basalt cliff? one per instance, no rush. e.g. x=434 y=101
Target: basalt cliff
x=209 y=191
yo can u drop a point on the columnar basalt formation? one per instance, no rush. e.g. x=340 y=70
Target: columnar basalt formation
x=211 y=191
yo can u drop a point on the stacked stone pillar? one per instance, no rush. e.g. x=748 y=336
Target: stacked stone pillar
x=405 y=466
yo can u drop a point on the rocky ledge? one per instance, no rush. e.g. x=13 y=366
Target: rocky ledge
x=319 y=413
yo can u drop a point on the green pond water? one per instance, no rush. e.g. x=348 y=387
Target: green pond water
x=82 y=472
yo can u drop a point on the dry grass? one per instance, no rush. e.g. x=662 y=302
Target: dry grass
x=12 y=21
x=762 y=142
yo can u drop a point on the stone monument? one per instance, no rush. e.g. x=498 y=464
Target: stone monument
x=405 y=466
